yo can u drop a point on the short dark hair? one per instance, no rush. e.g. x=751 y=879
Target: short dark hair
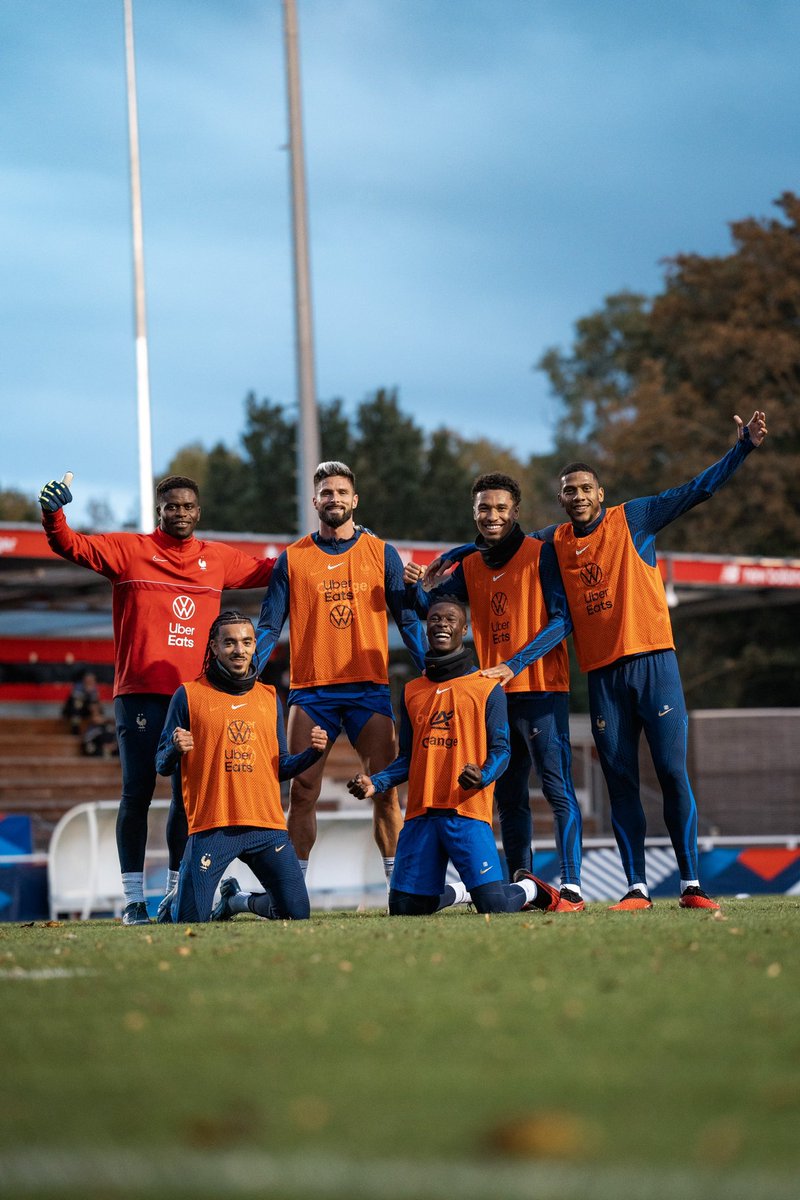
x=497 y=481
x=231 y=617
x=326 y=470
x=571 y=468
x=455 y=603
x=177 y=481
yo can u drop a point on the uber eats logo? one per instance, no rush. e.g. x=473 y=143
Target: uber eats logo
x=240 y=757
x=441 y=720
x=595 y=597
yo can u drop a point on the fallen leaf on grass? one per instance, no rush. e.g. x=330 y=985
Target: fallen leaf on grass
x=220 y=1130
x=551 y=1133
x=720 y=1142
x=309 y=1113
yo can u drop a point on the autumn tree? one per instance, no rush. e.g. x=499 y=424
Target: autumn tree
x=650 y=386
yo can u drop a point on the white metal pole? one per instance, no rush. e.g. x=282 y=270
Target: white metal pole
x=146 y=510
x=308 y=442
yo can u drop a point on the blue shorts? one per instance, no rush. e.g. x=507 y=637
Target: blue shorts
x=427 y=843
x=343 y=705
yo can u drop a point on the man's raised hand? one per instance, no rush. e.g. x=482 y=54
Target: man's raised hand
x=470 y=777
x=431 y=576
x=756 y=426
x=438 y=571
x=182 y=740
x=361 y=786
x=319 y=738
x=54 y=495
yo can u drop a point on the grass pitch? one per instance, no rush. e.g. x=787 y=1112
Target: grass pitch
x=594 y=1055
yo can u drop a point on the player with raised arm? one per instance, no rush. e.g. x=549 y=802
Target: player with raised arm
x=514 y=591
x=335 y=586
x=224 y=740
x=165 y=586
x=453 y=746
x=623 y=639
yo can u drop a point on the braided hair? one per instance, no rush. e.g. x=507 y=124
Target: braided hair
x=231 y=617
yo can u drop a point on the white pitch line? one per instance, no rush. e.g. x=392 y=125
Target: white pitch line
x=45 y=973
x=246 y=1173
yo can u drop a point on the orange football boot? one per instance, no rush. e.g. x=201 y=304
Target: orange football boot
x=569 y=901
x=695 y=897
x=632 y=901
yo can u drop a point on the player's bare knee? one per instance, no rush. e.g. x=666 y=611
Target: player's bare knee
x=304 y=793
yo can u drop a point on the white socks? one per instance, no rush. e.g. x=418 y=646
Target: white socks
x=462 y=895
x=133 y=887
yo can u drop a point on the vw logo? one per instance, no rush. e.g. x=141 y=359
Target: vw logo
x=499 y=603
x=591 y=574
x=341 y=616
x=239 y=732
x=183 y=607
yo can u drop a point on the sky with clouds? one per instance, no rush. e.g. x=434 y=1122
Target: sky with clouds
x=481 y=174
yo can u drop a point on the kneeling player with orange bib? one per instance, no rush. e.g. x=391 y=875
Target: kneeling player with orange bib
x=224 y=734
x=453 y=746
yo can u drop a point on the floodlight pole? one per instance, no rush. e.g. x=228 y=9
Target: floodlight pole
x=308 y=441
x=146 y=511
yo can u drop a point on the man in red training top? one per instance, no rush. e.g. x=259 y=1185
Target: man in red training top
x=224 y=739
x=166 y=586
x=453 y=746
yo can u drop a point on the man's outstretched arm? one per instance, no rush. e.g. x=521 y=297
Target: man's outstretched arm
x=649 y=514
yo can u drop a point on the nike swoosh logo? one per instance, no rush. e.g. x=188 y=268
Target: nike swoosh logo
x=583 y=551
x=279 y=848
x=664 y=711
x=496 y=577
x=485 y=869
x=235 y=706
x=440 y=690
x=157 y=559
x=333 y=568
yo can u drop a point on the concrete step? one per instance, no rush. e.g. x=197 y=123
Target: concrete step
x=67 y=770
